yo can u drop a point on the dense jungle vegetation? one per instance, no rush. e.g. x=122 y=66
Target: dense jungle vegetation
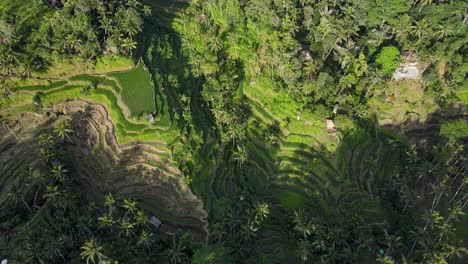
x=257 y=131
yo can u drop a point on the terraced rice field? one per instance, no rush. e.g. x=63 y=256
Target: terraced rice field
x=137 y=170
x=137 y=89
x=109 y=93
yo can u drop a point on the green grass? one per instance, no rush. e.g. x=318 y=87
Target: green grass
x=44 y=87
x=112 y=63
x=137 y=90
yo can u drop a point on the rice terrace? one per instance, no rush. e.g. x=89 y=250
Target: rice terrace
x=226 y=131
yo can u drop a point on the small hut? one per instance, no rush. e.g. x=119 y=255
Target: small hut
x=155 y=221
x=330 y=126
x=306 y=53
x=150 y=118
x=409 y=68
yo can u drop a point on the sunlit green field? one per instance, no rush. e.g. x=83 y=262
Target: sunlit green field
x=137 y=90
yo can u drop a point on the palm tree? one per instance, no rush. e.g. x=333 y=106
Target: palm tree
x=320 y=244
x=109 y=202
x=126 y=227
x=141 y=218
x=303 y=249
x=443 y=32
x=147 y=10
x=302 y=225
x=73 y=44
x=176 y=251
x=52 y=193
x=130 y=205
x=58 y=172
x=235 y=132
x=62 y=130
x=46 y=140
x=50 y=21
x=262 y=211
x=310 y=68
x=46 y=155
x=249 y=229
x=214 y=44
x=420 y=29
x=133 y=3
x=91 y=251
x=145 y=239
x=128 y=45
x=106 y=25
x=423 y=3
x=106 y=222
x=240 y=155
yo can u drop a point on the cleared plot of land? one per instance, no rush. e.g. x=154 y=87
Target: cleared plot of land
x=137 y=90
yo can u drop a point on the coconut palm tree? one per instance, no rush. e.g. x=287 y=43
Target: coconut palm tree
x=62 y=130
x=303 y=249
x=310 y=68
x=249 y=229
x=423 y=3
x=126 y=227
x=444 y=31
x=58 y=172
x=52 y=194
x=175 y=252
x=214 y=44
x=141 y=218
x=302 y=225
x=133 y=3
x=46 y=155
x=145 y=239
x=147 y=10
x=130 y=205
x=91 y=251
x=420 y=29
x=106 y=222
x=109 y=202
x=106 y=25
x=128 y=45
x=240 y=155
x=262 y=210
x=46 y=140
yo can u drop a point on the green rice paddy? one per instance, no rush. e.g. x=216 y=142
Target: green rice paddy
x=137 y=89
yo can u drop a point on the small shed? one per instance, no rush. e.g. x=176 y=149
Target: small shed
x=150 y=118
x=306 y=53
x=155 y=221
x=409 y=68
x=330 y=126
